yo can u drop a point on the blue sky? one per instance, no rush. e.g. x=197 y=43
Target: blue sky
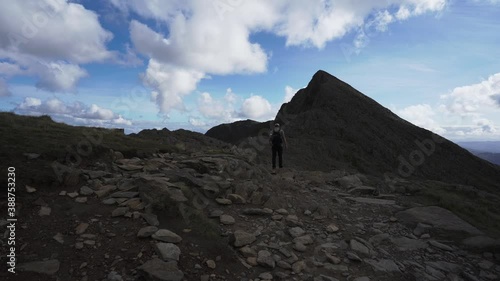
x=195 y=64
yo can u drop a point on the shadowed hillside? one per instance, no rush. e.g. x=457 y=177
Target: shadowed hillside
x=331 y=125
x=238 y=131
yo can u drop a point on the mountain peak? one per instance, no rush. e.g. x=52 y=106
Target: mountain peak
x=321 y=77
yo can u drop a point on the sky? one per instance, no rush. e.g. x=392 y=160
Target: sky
x=193 y=64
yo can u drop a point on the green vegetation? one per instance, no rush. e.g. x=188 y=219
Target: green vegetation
x=479 y=209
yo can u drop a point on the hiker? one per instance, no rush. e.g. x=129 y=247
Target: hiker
x=277 y=139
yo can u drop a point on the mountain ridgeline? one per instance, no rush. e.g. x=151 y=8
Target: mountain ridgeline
x=331 y=125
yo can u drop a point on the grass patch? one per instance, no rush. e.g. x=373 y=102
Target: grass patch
x=481 y=211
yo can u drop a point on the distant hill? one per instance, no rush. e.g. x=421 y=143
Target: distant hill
x=487 y=150
x=238 y=131
x=331 y=125
x=491 y=157
x=481 y=146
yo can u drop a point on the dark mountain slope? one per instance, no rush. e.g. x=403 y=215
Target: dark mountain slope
x=332 y=125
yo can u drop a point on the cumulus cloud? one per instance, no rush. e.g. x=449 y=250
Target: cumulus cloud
x=467 y=112
x=197 y=122
x=473 y=99
x=230 y=108
x=75 y=113
x=289 y=93
x=59 y=76
x=170 y=84
x=206 y=38
x=257 y=108
x=422 y=116
x=218 y=110
x=49 y=39
x=52 y=29
x=211 y=108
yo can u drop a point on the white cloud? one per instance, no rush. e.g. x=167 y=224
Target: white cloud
x=422 y=116
x=95 y=112
x=122 y=121
x=170 y=84
x=219 y=110
x=52 y=30
x=289 y=93
x=207 y=46
x=75 y=113
x=467 y=112
x=30 y=103
x=210 y=108
x=403 y=13
x=4 y=88
x=196 y=122
x=59 y=76
x=230 y=97
x=49 y=39
x=257 y=108
x=382 y=20
x=475 y=99
x=206 y=38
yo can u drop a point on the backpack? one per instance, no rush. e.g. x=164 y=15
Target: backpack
x=276 y=138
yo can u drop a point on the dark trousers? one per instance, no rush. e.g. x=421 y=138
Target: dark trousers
x=278 y=150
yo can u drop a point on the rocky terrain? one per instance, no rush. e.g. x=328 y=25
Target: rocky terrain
x=199 y=216
x=94 y=204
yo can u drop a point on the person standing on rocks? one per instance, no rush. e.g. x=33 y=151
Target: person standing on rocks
x=277 y=139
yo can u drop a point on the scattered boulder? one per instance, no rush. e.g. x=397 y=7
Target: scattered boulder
x=227 y=219
x=151 y=219
x=166 y=235
x=168 y=251
x=265 y=259
x=85 y=190
x=158 y=270
x=242 y=238
x=147 y=231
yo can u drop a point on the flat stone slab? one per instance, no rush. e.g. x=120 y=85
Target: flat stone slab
x=443 y=221
x=372 y=200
